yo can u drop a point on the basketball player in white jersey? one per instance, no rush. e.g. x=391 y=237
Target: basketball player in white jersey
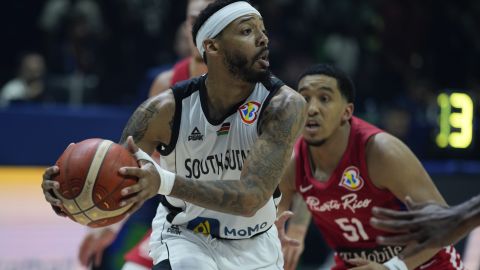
x=225 y=139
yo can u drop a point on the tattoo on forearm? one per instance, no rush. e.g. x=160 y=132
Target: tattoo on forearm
x=223 y=196
x=138 y=123
x=281 y=125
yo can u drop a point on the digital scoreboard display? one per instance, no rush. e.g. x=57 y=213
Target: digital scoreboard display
x=457 y=134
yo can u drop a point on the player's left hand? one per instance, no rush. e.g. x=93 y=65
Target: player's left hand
x=148 y=180
x=362 y=264
x=49 y=185
x=94 y=244
x=291 y=248
x=280 y=224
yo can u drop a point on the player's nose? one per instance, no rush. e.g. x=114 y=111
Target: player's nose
x=262 y=38
x=313 y=108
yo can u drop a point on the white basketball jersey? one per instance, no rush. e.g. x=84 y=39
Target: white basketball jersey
x=204 y=149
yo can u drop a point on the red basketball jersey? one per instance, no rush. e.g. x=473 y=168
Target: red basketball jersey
x=341 y=206
x=139 y=253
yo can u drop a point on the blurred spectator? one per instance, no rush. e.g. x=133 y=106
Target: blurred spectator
x=154 y=78
x=343 y=50
x=55 y=12
x=29 y=84
x=182 y=41
x=75 y=31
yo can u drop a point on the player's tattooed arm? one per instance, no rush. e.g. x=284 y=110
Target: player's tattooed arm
x=151 y=122
x=279 y=127
x=138 y=123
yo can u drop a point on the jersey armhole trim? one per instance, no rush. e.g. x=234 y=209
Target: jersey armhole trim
x=163 y=149
x=273 y=86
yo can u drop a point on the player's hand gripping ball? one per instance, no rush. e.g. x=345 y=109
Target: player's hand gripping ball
x=90 y=185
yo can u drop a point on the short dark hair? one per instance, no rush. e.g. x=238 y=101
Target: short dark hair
x=207 y=12
x=345 y=84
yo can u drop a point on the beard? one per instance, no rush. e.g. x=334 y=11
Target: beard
x=240 y=67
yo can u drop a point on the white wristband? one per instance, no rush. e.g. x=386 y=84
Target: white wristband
x=396 y=264
x=167 y=179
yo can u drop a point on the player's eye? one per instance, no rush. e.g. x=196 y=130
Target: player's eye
x=246 y=31
x=324 y=98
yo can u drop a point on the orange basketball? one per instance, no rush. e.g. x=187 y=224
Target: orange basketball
x=90 y=185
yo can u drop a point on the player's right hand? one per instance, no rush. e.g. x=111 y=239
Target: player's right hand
x=148 y=180
x=424 y=225
x=93 y=245
x=48 y=186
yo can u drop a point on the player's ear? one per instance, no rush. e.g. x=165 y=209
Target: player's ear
x=348 y=112
x=211 y=46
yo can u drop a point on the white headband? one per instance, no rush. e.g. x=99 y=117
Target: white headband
x=220 y=19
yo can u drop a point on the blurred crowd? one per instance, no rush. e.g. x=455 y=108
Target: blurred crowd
x=400 y=53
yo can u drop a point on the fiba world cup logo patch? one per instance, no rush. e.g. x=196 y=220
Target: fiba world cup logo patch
x=249 y=112
x=351 y=179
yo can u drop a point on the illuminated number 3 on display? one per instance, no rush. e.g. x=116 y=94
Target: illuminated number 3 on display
x=461 y=121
